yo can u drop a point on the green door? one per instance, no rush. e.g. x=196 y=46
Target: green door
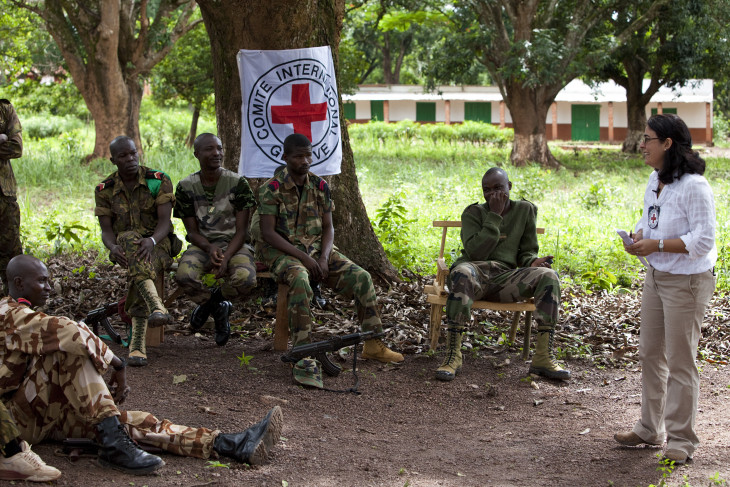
x=478 y=111
x=350 y=112
x=376 y=110
x=425 y=111
x=586 y=122
x=654 y=111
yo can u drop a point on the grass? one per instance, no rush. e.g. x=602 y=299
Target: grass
x=405 y=182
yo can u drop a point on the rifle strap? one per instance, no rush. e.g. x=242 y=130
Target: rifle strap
x=352 y=389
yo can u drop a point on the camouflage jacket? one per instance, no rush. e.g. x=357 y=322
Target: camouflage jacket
x=297 y=219
x=12 y=149
x=510 y=238
x=25 y=333
x=216 y=217
x=136 y=209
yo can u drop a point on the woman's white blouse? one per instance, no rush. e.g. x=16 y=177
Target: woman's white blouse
x=686 y=211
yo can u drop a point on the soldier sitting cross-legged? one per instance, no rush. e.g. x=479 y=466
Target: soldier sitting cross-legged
x=52 y=383
x=297 y=232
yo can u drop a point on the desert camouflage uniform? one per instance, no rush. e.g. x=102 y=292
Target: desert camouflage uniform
x=9 y=211
x=51 y=381
x=299 y=220
x=8 y=430
x=134 y=216
x=495 y=265
x=215 y=212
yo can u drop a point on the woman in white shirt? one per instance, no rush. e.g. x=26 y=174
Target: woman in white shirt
x=676 y=234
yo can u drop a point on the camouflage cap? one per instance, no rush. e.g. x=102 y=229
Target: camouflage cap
x=308 y=372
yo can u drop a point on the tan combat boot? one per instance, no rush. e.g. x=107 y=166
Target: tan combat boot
x=158 y=313
x=452 y=363
x=543 y=362
x=138 y=342
x=375 y=349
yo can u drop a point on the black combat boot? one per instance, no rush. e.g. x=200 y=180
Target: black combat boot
x=222 y=326
x=202 y=312
x=253 y=445
x=117 y=450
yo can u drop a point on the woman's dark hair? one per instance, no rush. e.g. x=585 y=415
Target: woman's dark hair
x=679 y=159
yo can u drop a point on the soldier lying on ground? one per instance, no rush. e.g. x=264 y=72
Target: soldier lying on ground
x=215 y=205
x=134 y=206
x=52 y=384
x=297 y=232
x=499 y=262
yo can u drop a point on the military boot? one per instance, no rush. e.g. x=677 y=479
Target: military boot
x=138 y=343
x=117 y=450
x=202 y=312
x=543 y=362
x=375 y=349
x=254 y=445
x=222 y=326
x=158 y=312
x=453 y=360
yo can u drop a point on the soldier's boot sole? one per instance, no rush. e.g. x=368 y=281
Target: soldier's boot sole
x=447 y=375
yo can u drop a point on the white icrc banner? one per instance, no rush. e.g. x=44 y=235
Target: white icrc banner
x=285 y=92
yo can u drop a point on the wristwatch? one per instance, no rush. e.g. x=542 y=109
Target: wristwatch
x=121 y=367
x=661 y=245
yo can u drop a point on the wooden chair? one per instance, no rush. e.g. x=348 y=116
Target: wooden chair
x=437 y=294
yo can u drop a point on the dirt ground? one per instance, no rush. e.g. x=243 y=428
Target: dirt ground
x=489 y=427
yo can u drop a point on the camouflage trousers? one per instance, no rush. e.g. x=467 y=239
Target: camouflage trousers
x=493 y=281
x=8 y=430
x=141 y=270
x=10 y=235
x=195 y=262
x=345 y=277
x=64 y=396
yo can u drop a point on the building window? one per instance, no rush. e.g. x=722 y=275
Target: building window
x=425 y=111
x=376 y=110
x=350 y=112
x=478 y=111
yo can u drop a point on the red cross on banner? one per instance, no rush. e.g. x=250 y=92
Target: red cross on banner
x=301 y=113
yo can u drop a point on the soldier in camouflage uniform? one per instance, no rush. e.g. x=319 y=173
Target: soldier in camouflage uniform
x=297 y=232
x=215 y=205
x=134 y=205
x=499 y=262
x=11 y=147
x=52 y=382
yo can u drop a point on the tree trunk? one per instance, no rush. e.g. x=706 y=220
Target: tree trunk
x=288 y=24
x=636 y=117
x=193 y=127
x=528 y=108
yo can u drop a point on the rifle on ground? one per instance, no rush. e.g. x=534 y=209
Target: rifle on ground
x=100 y=316
x=319 y=350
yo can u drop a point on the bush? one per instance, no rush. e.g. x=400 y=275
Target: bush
x=60 y=99
x=47 y=125
x=407 y=130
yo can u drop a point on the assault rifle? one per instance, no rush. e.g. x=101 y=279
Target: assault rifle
x=100 y=316
x=319 y=350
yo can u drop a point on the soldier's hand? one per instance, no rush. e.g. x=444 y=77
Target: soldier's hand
x=118 y=256
x=3 y=138
x=222 y=269
x=216 y=255
x=543 y=262
x=118 y=384
x=497 y=201
x=146 y=246
x=324 y=266
x=315 y=272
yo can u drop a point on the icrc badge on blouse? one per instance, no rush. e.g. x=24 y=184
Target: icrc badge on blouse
x=653 y=216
